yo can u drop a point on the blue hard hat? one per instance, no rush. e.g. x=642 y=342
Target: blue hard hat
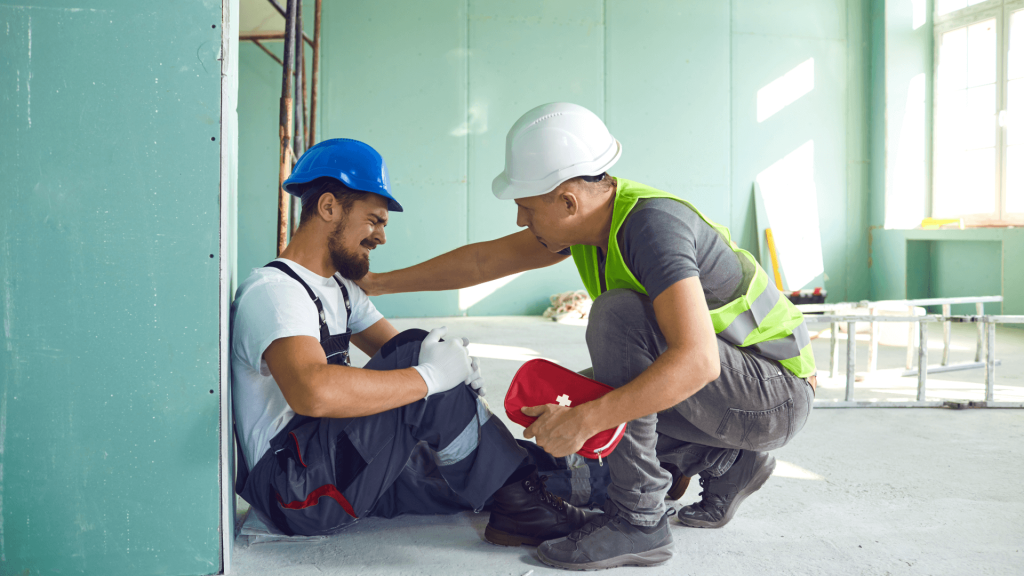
x=353 y=163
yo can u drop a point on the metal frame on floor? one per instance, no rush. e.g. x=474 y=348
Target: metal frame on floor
x=986 y=348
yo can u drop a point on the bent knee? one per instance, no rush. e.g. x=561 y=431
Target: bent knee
x=406 y=338
x=616 y=310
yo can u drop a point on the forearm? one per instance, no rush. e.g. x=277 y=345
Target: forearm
x=466 y=266
x=450 y=271
x=346 y=392
x=672 y=378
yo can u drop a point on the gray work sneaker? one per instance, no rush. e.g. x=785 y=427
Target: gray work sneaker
x=609 y=541
x=723 y=495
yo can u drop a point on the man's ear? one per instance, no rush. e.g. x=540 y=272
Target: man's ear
x=571 y=202
x=326 y=206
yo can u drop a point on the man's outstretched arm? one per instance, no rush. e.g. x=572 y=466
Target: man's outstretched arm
x=312 y=387
x=466 y=266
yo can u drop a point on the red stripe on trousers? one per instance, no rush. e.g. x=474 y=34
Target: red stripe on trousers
x=314 y=498
x=297 y=451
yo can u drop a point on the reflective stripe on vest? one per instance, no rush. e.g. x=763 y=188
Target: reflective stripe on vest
x=761 y=319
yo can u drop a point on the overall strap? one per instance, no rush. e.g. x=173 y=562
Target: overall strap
x=325 y=333
x=348 y=303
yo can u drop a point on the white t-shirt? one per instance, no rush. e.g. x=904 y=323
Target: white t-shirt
x=270 y=305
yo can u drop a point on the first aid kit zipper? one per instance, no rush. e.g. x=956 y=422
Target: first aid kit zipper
x=618 y=432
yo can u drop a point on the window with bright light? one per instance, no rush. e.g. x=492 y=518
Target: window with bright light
x=978 y=151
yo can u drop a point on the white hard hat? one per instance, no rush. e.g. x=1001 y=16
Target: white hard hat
x=551 y=144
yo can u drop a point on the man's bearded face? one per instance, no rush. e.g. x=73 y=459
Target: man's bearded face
x=351 y=264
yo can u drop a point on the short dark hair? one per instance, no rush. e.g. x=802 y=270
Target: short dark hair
x=592 y=184
x=344 y=195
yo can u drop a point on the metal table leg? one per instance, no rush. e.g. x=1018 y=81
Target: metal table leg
x=979 y=309
x=990 y=363
x=945 y=335
x=911 y=334
x=922 y=361
x=851 y=358
x=833 y=358
x=873 y=345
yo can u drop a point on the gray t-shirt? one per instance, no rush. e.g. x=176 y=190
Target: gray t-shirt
x=664 y=241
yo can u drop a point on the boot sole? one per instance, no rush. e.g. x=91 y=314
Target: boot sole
x=655 y=557
x=762 y=475
x=502 y=538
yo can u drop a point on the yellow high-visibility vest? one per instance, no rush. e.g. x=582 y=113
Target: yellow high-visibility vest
x=761 y=319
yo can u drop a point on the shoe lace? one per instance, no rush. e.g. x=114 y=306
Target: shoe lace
x=709 y=500
x=548 y=498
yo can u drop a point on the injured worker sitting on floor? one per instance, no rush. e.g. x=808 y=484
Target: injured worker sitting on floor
x=711 y=365
x=324 y=443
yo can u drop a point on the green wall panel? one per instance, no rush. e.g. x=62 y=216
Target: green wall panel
x=768 y=42
x=436 y=86
x=259 y=150
x=948 y=263
x=109 y=283
x=516 y=64
x=967 y=269
x=668 y=97
x=394 y=76
x=858 y=149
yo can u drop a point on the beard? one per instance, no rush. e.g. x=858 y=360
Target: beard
x=350 y=266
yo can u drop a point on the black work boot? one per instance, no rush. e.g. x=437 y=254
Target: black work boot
x=524 y=512
x=723 y=495
x=679 y=482
x=609 y=541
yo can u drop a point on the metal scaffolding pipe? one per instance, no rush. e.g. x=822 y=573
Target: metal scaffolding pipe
x=299 y=134
x=315 y=81
x=282 y=12
x=300 y=64
x=285 y=125
x=269 y=53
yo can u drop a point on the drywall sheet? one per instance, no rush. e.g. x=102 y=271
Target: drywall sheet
x=668 y=97
x=394 y=76
x=109 y=288
x=522 y=55
x=436 y=86
x=789 y=125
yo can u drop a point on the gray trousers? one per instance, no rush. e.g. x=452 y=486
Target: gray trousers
x=755 y=404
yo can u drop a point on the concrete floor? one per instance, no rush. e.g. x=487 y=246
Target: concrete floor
x=858 y=491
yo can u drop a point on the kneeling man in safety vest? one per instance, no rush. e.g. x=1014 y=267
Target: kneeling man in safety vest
x=711 y=365
x=324 y=443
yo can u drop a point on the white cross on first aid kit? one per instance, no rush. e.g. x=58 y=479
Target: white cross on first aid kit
x=563 y=400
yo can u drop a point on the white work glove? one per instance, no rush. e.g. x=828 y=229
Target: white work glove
x=476 y=380
x=443 y=365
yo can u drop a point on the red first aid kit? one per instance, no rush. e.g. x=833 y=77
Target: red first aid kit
x=540 y=382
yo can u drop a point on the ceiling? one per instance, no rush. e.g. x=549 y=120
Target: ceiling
x=260 y=16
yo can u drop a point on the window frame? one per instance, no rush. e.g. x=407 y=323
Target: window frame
x=1000 y=10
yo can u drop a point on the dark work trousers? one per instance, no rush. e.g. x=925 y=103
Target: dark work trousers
x=755 y=404
x=322 y=474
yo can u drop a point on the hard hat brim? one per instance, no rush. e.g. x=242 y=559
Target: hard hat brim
x=291 y=186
